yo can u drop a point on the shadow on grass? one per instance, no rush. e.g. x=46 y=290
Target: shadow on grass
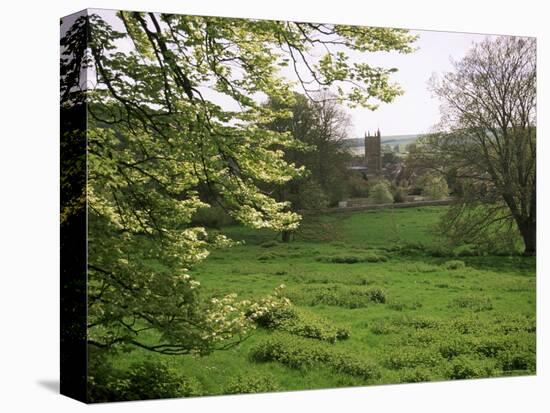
x=525 y=266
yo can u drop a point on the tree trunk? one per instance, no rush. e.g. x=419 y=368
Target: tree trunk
x=286 y=236
x=528 y=230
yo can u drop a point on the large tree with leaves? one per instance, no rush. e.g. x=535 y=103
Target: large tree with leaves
x=174 y=107
x=487 y=142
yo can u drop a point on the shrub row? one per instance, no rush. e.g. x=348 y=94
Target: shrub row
x=251 y=384
x=299 y=353
x=338 y=295
x=408 y=357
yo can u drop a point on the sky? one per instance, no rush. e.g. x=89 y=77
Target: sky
x=416 y=111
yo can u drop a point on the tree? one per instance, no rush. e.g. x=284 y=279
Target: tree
x=380 y=192
x=487 y=138
x=389 y=157
x=160 y=147
x=434 y=186
x=321 y=126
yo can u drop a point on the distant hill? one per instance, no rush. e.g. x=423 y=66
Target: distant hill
x=386 y=140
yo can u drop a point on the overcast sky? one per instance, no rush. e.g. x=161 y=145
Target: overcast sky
x=416 y=111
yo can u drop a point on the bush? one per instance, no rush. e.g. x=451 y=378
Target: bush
x=397 y=306
x=345 y=259
x=517 y=324
x=421 y=267
x=418 y=323
x=338 y=295
x=463 y=367
x=277 y=316
x=369 y=256
x=517 y=360
x=454 y=265
x=399 y=195
x=302 y=323
x=357 y=186
x=380 y=193
x=415 y=375
x=467 y=250
x=376 y=295
x=439 y=251
x=311 y=195
x=451 y=347
x=489 y=346
x=434 y=186
x=474 y=303
x=468 y=324
x=268 y=256
x=400 y=306
x=143 y=380
x=382 y=327
x=251 y=384
x=408 y=357
x=303 y=353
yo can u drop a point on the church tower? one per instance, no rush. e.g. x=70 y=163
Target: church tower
x=373 y=153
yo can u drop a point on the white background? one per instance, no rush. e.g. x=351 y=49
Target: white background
x=29 y=194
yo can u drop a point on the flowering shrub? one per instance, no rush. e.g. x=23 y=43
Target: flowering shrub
x=226 y=317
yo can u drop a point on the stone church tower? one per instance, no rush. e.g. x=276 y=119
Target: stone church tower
x=373 y=154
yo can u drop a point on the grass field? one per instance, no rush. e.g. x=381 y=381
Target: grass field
x=373 y=303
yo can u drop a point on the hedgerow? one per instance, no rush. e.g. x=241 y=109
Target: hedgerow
x=338 y=295
x=300 y=353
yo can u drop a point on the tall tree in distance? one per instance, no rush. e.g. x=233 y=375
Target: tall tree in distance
x=487 y=139
x=321 y=125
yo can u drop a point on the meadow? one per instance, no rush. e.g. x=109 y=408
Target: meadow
x=375 y=300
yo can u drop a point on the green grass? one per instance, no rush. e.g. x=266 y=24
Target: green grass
x=410 y=316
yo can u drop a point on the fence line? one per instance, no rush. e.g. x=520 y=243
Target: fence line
x=373 y=207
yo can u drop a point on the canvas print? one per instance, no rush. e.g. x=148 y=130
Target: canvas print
x=256 y=206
